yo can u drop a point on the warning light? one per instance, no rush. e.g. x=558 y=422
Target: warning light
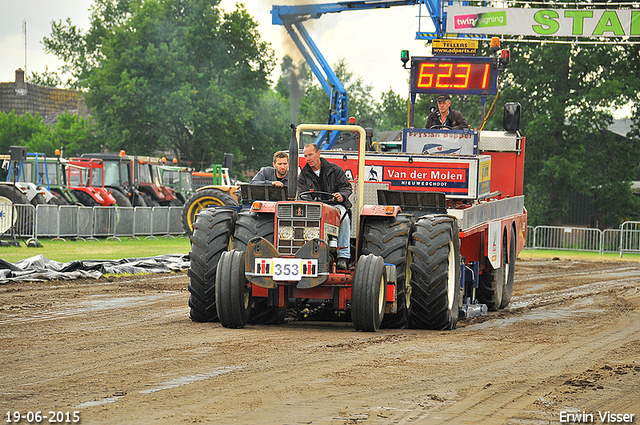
x=57 y=152
x=404 y=57
x=175 y=160
x=163 y=159
x=495 y=44
x=505 y=56
x=352 y=120
x=122 y=153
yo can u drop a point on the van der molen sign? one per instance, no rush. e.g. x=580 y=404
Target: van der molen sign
x=549 y=22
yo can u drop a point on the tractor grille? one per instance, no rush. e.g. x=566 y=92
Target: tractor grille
x=299 y=217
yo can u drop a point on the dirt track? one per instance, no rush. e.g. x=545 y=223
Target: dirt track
x=124 y=351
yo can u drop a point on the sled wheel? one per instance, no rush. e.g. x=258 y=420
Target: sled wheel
x=510 y=269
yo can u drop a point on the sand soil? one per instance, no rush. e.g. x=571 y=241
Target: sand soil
x=123 y=350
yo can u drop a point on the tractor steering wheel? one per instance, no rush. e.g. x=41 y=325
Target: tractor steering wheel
x=317 y=196
x=441 y=126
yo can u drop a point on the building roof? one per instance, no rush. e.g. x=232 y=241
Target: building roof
x=49 y=102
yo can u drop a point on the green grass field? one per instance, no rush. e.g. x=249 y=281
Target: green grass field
x=97 y=250
x=576 y=255
x=134 y=248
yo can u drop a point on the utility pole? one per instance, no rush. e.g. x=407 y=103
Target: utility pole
x=24 y=30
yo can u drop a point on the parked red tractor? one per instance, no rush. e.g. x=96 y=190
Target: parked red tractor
x=85 y=177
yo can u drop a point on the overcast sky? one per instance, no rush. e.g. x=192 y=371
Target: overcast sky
x=370 y=41
x=38 y=14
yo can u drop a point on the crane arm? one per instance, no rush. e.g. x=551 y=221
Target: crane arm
x=292 y=18
x=281 y=14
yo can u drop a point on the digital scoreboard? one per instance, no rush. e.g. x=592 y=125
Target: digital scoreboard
x=453 y=75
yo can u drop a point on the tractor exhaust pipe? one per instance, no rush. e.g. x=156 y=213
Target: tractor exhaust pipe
x=293 y=164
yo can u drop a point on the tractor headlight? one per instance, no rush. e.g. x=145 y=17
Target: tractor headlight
x=311 y=233
x=285 y=233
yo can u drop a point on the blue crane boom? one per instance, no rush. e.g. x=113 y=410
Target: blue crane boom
x=292 y=18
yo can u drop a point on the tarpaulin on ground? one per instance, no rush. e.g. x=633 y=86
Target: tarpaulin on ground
x=41 y=268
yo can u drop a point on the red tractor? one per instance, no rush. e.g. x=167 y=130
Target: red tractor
x=86 y=178
x=424 y=250
x=438 y=222
x=283 y=258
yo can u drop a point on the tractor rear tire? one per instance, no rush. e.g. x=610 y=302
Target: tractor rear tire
x=368 y=293
x=57 y=199
x=233 y=296
x=248 y=226
x=510 y=272
x=389 y=238
x=492 y=283
x=24 y=219
x=85 y=199
x=212 y=233
x=122 y=200
x=61 y=199
x=201 y=200
x=8 y=191
x=435 y=273
x=138 y=200
x=149 y=200
x=38 y=200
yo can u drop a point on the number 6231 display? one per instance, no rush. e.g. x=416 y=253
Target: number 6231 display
x=453 y=75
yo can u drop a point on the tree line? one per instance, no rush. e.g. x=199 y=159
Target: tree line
x=197 y=81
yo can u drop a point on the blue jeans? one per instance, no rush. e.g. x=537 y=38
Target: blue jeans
x=344 y=234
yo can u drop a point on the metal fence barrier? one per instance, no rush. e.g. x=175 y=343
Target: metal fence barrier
x=569 y=238
x=142 y=221
x=71 y=221
x=19 y=220
x=630 y=237
x=76 y=222
x=624 y=239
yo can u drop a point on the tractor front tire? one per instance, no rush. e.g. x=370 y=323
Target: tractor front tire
x=233 y=296
x=211 y=236
x=435 y=273
x=389 y=238
x=248 y=226
x=368 y=293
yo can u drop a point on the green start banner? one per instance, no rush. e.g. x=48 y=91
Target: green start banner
x=547 y=22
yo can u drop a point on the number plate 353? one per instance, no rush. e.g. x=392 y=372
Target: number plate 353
x=286 y=269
